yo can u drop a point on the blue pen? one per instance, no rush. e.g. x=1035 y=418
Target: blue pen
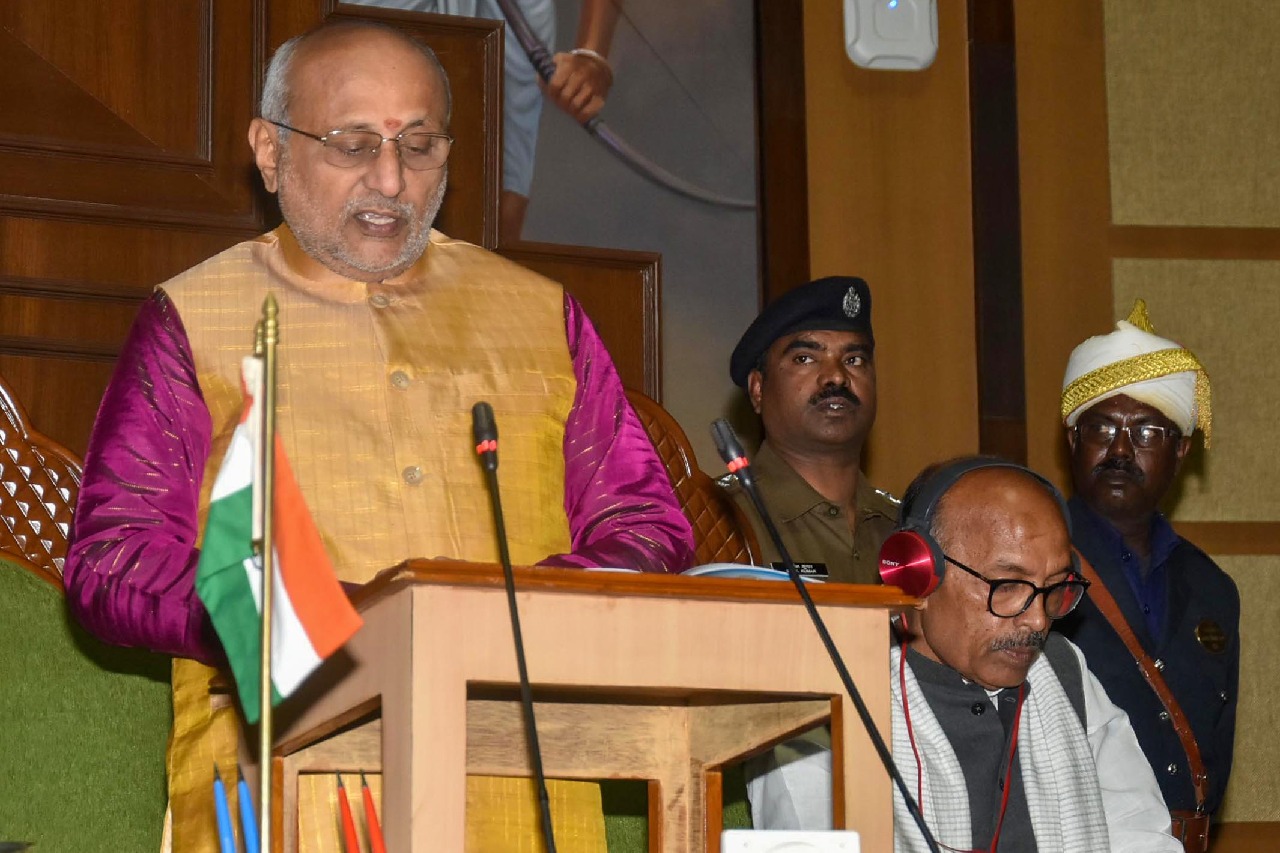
x=248 y=820
x=225 y=836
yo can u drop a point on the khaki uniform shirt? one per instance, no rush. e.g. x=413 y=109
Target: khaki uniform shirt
x=814 y=530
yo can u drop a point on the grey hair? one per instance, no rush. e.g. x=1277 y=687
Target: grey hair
x=276 y=93
x=275 y=88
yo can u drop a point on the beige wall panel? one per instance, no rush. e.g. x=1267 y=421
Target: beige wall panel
x=1254 y=791
x=889 y=200
x=1194 y=116
x=1225 y=312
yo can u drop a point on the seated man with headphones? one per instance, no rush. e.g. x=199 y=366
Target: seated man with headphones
x=1001 y=733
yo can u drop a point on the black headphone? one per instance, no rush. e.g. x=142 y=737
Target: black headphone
x=911 y=559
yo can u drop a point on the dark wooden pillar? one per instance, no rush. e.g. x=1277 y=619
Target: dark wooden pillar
x=997 y=233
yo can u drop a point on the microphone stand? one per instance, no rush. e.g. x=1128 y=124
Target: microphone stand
x=735 y=458
x=486 y=436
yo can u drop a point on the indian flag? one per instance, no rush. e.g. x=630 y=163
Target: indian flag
x=311 y=615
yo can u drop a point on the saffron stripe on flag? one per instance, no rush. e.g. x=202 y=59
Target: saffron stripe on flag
x=328 y=621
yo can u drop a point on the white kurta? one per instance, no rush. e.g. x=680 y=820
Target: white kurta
x=796 y=793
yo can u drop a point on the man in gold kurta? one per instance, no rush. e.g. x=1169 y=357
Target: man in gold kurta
x=390 y=332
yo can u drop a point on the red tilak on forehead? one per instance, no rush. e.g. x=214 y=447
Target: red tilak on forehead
x=393 y=123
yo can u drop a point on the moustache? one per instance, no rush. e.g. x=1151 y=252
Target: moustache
x=835 y=391
x=1032 y=639
x=395 y=207
x=1124 y=466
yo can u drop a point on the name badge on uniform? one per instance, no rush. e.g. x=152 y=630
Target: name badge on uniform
x=1211 y=636
x=806 y=570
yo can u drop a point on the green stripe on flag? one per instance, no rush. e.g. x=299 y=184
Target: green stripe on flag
x=228 y=534
x=222 y=582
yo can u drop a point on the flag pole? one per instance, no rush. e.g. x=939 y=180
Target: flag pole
x=269 y=337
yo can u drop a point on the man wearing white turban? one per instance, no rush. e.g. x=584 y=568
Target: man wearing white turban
x=1130 y=403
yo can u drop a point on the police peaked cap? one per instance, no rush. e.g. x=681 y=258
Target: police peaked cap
x=834 y=304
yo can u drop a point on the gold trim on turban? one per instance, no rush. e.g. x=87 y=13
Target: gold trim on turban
x=1140 y=368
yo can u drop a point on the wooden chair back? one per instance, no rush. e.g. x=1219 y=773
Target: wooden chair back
x=721 y=532
x=39 y=483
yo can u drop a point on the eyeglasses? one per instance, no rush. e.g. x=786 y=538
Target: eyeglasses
x=1009 y=598
x=1144 y=436
x=419 y=150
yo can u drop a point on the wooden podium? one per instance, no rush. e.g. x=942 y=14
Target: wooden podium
x=656 y=677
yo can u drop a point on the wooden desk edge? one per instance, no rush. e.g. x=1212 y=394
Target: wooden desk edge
x=623 y=584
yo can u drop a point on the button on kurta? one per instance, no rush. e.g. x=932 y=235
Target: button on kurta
x=379 y=300
x=400 y=379
x=412 y=475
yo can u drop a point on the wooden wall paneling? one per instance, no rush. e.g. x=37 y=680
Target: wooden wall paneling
x=620 y=292
x=67 y=387
x=1209 y=244
x=114 y=174
x=1066 y=204
x=781 y=157
x=1232 y=538
x=890 y=199
x=117 y=112
x=68 y=292
x=1257 y=837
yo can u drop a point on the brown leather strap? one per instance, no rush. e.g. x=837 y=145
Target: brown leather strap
x=1101 y=596
x=1192 y=829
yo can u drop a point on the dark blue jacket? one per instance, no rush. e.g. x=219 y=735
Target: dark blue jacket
x=1206 y=684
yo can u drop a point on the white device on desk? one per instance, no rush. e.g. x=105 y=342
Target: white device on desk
x=789 y=841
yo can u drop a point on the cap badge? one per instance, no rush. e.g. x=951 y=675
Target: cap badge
x=852 y=303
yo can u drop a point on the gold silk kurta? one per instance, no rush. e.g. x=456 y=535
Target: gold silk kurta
x=374 y=393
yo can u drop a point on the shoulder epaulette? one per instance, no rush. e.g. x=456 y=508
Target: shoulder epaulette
x=889 y=497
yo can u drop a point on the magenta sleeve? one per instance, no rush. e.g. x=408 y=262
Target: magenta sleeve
x=130 y=571
x=622 y=510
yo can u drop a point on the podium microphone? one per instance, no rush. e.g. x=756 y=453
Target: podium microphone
x=485 y=431
x=735 y=458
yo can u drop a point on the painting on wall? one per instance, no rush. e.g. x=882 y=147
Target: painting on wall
x=673 y=84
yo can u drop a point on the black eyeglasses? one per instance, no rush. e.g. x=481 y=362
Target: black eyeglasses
x=1145 y=436
x=419 y=150
x=1009 y=598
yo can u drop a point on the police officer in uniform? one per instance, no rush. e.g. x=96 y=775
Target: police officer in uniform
x=807 y=364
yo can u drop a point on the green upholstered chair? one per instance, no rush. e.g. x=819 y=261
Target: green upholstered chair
x=83 y=727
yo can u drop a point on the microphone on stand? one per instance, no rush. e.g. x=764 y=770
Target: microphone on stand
x=485 y=431
x=735 y=458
